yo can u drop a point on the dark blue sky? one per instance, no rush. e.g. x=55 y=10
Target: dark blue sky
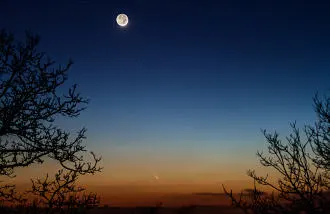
x=199 y=77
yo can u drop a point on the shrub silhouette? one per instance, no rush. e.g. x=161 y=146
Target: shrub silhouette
x=62 y=193
x=303 y=165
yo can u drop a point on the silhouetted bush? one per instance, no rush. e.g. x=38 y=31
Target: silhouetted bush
x=303 y=165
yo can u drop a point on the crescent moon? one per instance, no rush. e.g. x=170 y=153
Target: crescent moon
x=122 y=20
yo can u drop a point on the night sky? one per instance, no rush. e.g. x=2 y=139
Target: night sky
x=183 y=91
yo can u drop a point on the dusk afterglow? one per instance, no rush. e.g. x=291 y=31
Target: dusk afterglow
x=179 y=95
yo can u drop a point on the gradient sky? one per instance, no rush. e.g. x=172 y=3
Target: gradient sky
x=184 y=90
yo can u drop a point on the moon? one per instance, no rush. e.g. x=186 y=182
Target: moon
x=122 y=20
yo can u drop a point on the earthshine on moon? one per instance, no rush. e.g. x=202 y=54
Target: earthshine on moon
x=122 y=20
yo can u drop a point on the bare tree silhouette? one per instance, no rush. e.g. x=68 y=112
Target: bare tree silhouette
x=320 y=133
x=30 y=102
x=303 y=166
